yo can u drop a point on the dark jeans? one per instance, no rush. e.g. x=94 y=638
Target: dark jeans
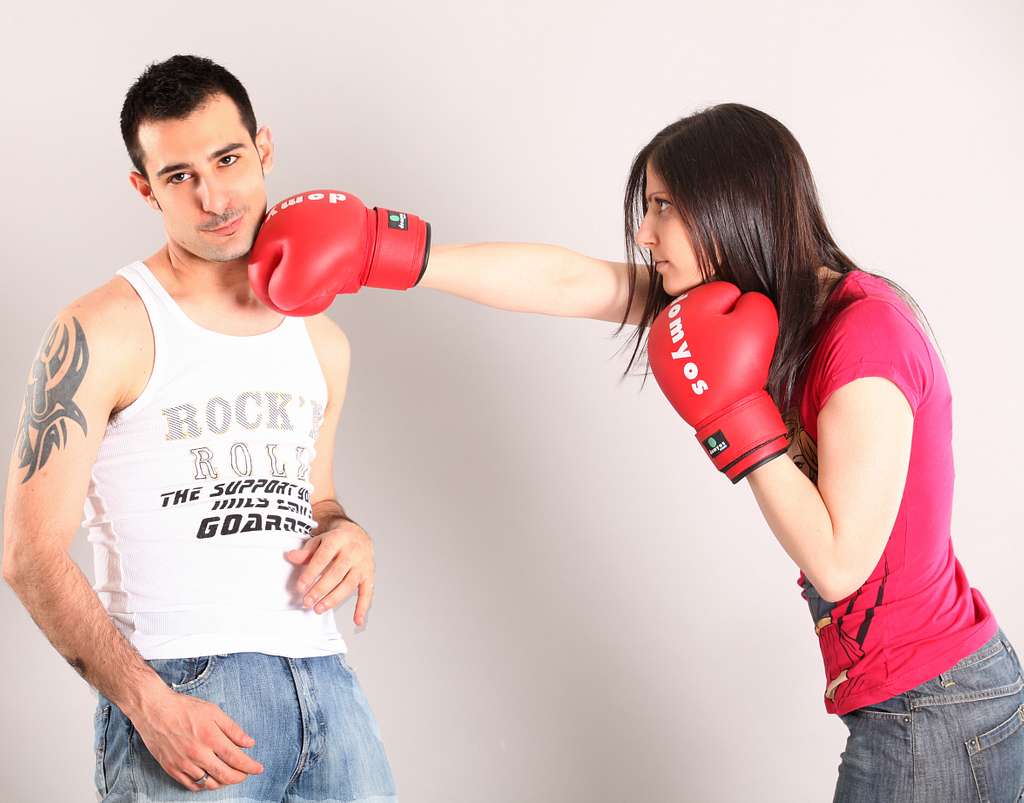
x=958 y=737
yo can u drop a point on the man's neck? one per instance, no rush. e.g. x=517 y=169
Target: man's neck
x=216 y=295
x=198 y=278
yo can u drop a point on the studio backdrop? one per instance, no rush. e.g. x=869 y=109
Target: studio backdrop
x=571 y=604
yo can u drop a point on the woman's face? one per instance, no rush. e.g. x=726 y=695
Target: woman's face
x=663 y=232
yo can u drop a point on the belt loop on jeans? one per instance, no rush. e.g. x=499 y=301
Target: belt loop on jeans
x=822 y=623
x=830 y=692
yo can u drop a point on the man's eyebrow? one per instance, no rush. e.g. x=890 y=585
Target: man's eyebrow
x=179 y=166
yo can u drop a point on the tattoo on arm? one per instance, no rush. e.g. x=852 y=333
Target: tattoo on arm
x=57 y=372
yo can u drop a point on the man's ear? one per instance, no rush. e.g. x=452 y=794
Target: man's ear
x=265 y=148
x=143 y=188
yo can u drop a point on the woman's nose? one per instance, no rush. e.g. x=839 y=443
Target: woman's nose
x=645 y=235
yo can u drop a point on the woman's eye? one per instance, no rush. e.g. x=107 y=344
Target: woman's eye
x=662 y=204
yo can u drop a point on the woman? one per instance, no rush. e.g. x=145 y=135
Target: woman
x=915 y=663
x=859 y=493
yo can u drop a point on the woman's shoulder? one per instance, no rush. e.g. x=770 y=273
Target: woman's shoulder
x=864 y=300
x=874 y=333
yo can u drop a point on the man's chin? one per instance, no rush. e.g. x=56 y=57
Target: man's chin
x=242 y=256
x=234 y=253
x=221 y=257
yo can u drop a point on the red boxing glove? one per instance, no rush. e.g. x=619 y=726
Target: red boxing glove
x=710 y=354
x=313 y=246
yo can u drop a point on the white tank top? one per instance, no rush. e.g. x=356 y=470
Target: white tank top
x=202 y=484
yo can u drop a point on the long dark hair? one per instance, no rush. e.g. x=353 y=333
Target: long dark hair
x=744 y=189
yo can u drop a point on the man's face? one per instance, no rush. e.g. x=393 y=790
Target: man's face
x=205 y=175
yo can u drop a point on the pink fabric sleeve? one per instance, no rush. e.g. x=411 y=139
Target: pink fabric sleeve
x=874 y=337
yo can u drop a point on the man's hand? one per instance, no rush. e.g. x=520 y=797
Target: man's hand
x=342 y=558
x=189 y=737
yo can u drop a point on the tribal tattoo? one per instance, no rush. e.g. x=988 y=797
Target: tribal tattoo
x=57 y=372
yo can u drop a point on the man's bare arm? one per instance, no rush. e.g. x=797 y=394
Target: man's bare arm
x=337 y=559
x=73 y=385
x=60 y=600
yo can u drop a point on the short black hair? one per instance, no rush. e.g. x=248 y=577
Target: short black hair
x=172 y=90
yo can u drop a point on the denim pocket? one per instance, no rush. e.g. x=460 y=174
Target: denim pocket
x=185 y=674
x=100 y=722
x=894 y=707
x=997 y=759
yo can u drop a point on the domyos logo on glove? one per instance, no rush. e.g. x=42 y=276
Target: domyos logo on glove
x=675 y=331
x=332 y=198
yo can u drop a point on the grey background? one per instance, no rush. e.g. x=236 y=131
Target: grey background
x=571 y=605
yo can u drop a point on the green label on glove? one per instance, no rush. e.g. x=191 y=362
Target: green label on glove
x=716 y=443
x=398 y=220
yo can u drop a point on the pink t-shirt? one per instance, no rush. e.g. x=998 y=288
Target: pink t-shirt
x=916 y=615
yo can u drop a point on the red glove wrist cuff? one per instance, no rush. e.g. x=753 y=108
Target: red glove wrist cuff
x=745 y=436
x=400 y=249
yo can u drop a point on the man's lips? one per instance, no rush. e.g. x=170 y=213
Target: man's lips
x=227 y=228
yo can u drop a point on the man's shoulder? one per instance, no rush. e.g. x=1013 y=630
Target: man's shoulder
x=95 y=351
x=111 y=311
x=112 y=325
x=329 y=339
x=332 y=351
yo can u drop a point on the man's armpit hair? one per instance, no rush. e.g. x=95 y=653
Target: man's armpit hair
x=57 y=372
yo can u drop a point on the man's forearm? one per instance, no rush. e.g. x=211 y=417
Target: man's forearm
x=62 y=603
x=327 y=513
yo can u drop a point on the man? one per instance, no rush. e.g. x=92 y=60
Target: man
x=196 y=428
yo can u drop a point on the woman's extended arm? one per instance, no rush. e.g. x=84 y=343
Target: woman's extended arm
x=525 y=277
